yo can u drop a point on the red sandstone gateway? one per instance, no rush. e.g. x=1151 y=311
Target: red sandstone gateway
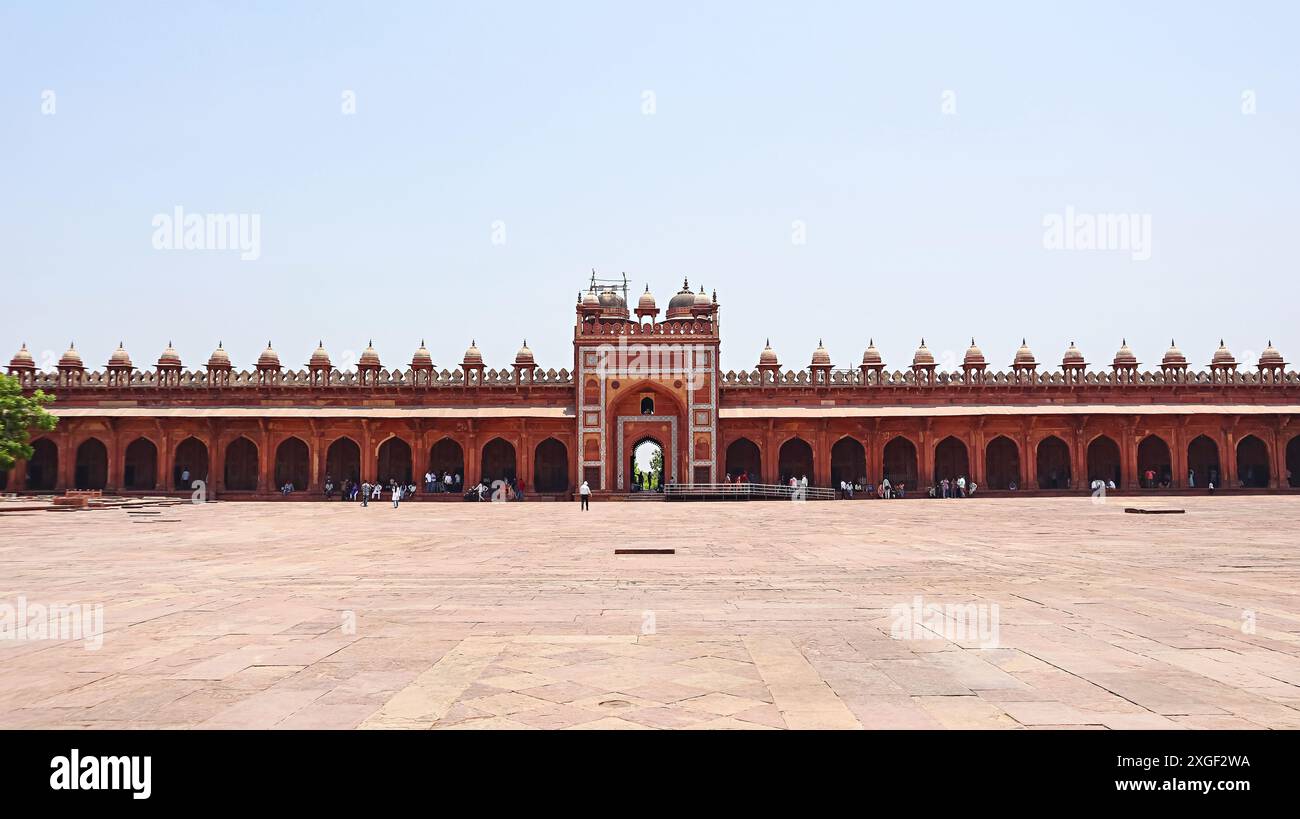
x=637 y=379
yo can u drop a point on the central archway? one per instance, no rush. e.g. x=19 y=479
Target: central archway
x=646 y=467
x=899 y=462
x=43 y=466
x=91 y=470
x=1053 y=463
x=1103 y=461
x=394 y=462
x=1203 y=462
x=241 y=465
x=795 y=460
x=1002 y=463
x=848 y=461
x=951 y=460
x=140 y=465
x=744 y=458
x=551 y=467
x=343 y=461
x=447 y=458
x=1154 y=463
x=1252 y=463
x=292 y=464
x=498 y=461
x=192 y=457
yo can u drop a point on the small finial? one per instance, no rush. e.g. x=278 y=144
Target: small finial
x=1022 y=341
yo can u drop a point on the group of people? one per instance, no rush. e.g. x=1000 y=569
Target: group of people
x=446 y=482
x=366 y=491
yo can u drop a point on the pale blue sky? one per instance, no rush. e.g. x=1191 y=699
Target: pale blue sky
x=918 y=222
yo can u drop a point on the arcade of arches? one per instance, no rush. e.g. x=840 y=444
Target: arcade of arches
x=995 y=460
x=253 y=462
x=1001 y=466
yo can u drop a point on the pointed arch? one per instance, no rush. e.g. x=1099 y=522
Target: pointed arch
x=394 y=461
x=1252 y=463
x=43 y=466
x=795 y=459
x=343 y=460
x=951 y=459
x=191 y=456
x=848 y=461
x=1203 y=466
x=1053 y=463
x=551 y=466
x=140 y=465
x=744 y=458
x=898 y=462
x=241 y=465
x=1104 y=461
x=293 y=463
x=91 y=466
x=498 y=460
x=1155 y=466
x=1002 y=463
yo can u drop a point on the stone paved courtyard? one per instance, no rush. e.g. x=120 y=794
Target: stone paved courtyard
x=773 y=615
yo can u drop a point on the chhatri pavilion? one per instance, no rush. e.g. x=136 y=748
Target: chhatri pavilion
x=638 y=375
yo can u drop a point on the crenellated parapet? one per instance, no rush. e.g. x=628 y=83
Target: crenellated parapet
x=292 y=379
x=862 y=378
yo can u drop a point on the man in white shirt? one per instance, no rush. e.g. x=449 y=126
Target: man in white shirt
x=584 y=494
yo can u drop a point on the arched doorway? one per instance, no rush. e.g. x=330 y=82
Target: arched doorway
x=848 y=461
x=343 y=461
x=551 y=467
x=43 y=466
x=241 y=465
x=744 y=458
x=498 y=462
x=1203 y=462
x=447 y=458
x=140 y=465
x=1053 y=463
x=1103 y=461
x=1293 y=462
x=394 y=462
x=1002 y=464
x=192 y=455
x=646 y=469
x=950 y=460
x=1252 y=463
x=91 y=470
x=292 y=464
x=1154 y=463
x=795 y=460
x=899 y=462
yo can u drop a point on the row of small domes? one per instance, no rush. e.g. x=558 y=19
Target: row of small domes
x=1024 y=358
x=679 y=306
x=269 y=359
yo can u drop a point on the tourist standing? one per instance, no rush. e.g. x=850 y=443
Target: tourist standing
x=584 y=495
x=397 y=495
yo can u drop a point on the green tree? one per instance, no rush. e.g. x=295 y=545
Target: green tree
x=657 y=468
x=19 y=415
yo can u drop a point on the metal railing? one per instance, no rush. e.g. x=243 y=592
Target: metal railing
x=746 y=491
